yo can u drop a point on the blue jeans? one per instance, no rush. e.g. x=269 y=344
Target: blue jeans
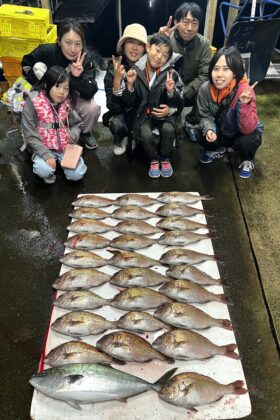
x=44 y=170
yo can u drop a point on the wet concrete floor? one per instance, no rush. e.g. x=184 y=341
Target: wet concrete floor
x=33 y=220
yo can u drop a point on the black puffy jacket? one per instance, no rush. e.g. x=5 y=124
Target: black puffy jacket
x=51 y=55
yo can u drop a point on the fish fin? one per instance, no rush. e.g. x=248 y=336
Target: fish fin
x=222 y=298
x=229 y=348
x=71 y=379
x=74 y=405
x=205 y=197
x=164 y=378
x=192 y=409
x=123 y=400
x=238 y=387
x=118 y=362
x=225 y=323
x=187 y=390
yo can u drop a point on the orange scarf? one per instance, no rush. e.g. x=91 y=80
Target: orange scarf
x=218 y=95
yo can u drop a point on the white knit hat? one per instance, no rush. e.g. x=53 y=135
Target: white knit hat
x=134 y=31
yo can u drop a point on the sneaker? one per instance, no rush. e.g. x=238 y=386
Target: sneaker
x=154 y=171
x=50 y=180
x=89 y=141
x=246 y=168
x=189 y=129
x=166 y=168
x=209 y=157
x=120 y=148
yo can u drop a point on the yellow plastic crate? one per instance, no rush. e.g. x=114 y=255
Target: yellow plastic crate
x=17 y=47
x=11 y=67
x=24 y=22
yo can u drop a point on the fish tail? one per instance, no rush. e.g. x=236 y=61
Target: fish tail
x=229 y=351
x=225 y=323
x=222 y=298
x=206 y=197
x=238 y=387
x=164 y=378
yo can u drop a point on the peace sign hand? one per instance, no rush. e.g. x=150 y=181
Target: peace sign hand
x=169 y=84
x=167 y=30
x=246 y=96
x=131 y=76
x=77 y=67
x=119 y=72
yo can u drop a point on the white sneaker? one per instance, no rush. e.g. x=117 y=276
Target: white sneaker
x=119 y=149
x=50 y=180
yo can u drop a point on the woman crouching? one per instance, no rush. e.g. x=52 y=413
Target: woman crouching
x=49 y=124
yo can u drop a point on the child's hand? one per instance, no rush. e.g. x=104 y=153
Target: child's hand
x=131 y=76
x=161 y=112
x=52 y=162
x=169 y=84
x=211 y=136
x=246 y=95
x=167 y=30
x=119 y=70
x=77 y=67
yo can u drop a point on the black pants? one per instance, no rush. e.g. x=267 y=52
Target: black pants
x=119 y=126
x=192 y=117
x=245 y=145
x=157 y=147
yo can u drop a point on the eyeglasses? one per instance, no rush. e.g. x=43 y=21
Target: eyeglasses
x=187 y=22
x=77 y=45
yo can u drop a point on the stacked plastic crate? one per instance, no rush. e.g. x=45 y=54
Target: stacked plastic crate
x=21 y=30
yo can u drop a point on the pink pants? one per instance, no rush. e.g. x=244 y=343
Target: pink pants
x=89 y=113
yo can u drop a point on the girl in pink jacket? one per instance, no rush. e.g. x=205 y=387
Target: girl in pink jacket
x=227 y=107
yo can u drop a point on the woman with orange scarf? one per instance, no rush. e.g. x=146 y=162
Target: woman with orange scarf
x=227 y=107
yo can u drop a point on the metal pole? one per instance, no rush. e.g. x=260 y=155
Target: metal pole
x=232 y=14
x=119 y=12
x=253 y=8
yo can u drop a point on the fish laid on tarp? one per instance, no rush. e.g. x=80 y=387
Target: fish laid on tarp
x=189 y=272
x=185 y=256
x=89 y=213
x=191 y=389
x=89 y=226
x=177 y=209
x=181 y=237
x=84 y=383
x=76 y=300
x=189 y=345
x=131 y=259
x=179 y=223
x=129 y=241
x=138 y=298
x=187 y=291
x=83 y=259
x=80 y=278
x=91 y=200
x=87 y=241
x=181 y=197
x=140 y=322
x=81 y=324
x=129 y=347
x=132 y=212
x=138 y=277
x=136 y=226
x=183 y=315
x=132 y=199
x=76 y=352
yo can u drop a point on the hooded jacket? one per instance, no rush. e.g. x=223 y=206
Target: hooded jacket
x=238 y=118
x=193 y=69
x=52 y=55
x=144 y=97
x=45 y=129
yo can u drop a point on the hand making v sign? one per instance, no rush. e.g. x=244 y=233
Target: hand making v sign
x=246 y=96
x=167 y=30
x=77 y=66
